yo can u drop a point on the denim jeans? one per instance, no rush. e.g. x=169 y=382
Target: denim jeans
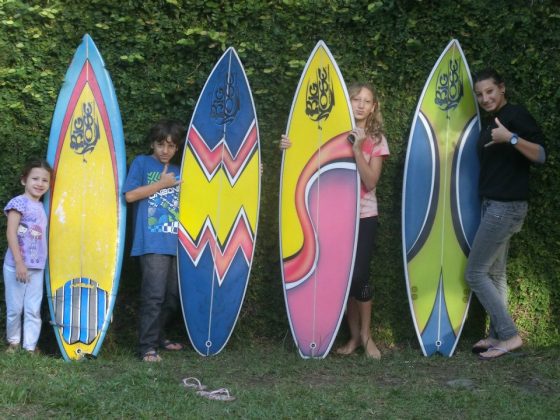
x=486 y=267
x=159 y=298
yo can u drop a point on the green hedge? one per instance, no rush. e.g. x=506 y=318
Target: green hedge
x=159 y=54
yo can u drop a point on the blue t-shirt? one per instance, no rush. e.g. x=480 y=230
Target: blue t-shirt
x=155 y=217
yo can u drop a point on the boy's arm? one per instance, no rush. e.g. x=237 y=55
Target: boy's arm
x=166 y=180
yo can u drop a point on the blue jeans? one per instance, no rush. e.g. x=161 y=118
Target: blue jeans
x=486 y=267
x=159 y=298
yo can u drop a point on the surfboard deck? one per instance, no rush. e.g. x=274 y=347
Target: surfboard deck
x=218 y=206
x=85 y=206
x=319 y=206
x=440 y=205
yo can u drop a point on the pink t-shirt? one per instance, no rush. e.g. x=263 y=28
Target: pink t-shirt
x=368 y=199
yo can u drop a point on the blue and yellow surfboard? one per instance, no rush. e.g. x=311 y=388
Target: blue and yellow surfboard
x=440 y=204
x=85 y=206
x=218 y=206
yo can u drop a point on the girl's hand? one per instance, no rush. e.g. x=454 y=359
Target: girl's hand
x=500 y=134
x=359 y=137
x=21 y=272
x=285 y=142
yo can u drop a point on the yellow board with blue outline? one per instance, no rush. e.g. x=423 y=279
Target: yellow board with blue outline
x=85 y=205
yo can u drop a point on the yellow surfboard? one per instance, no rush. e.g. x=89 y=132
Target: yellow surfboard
x=85 y=206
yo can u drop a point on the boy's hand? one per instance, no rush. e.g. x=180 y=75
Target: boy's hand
x=168 y=179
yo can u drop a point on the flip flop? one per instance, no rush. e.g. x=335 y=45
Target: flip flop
x=194 y=383
x=221 y=394
x=502 y=352
x=481 y=346
x=171 y=345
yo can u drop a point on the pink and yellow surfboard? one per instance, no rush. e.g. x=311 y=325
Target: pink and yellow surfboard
x=319 y=206
x=85 y=206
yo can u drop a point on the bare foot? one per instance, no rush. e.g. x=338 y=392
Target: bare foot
x=349 y=348
x=484 y=344
x=371 y=350
x=502 y=347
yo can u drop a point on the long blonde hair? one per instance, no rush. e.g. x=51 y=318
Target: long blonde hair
x=374 y=122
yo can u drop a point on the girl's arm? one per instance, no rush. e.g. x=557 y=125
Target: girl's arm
x=166 y=180
x=532 y=151
x=369 y=171
x=14 y=217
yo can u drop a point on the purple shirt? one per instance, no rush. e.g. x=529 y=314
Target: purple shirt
x=31 y=232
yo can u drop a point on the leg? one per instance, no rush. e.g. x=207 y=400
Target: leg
x=498 y=275
x=154 y=269
x=15 y=292
x=370 y=348
x=353 y=319
x=359 y=303
x=499 y=222
x=171 y=302
x=32 y=310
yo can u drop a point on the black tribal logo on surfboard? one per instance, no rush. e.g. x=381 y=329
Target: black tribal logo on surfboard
x=320 y=95
x=449 y=87
x=85 y=133
x=225 y=104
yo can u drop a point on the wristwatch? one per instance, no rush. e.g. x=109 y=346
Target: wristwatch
x=514 y=139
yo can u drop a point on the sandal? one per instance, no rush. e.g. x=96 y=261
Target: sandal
x=171 y=345
x=13 y=348
x=483 y=345
x=151 y=356
x=221 y=394
x=194 y=383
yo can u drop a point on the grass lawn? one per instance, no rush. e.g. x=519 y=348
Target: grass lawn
x=270 y=380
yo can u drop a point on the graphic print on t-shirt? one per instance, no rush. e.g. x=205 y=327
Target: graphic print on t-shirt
x=30 y=235
x=163 y=207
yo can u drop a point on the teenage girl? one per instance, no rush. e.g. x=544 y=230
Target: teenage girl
x=509 y=143
x=370 y=148
x=25 y=259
